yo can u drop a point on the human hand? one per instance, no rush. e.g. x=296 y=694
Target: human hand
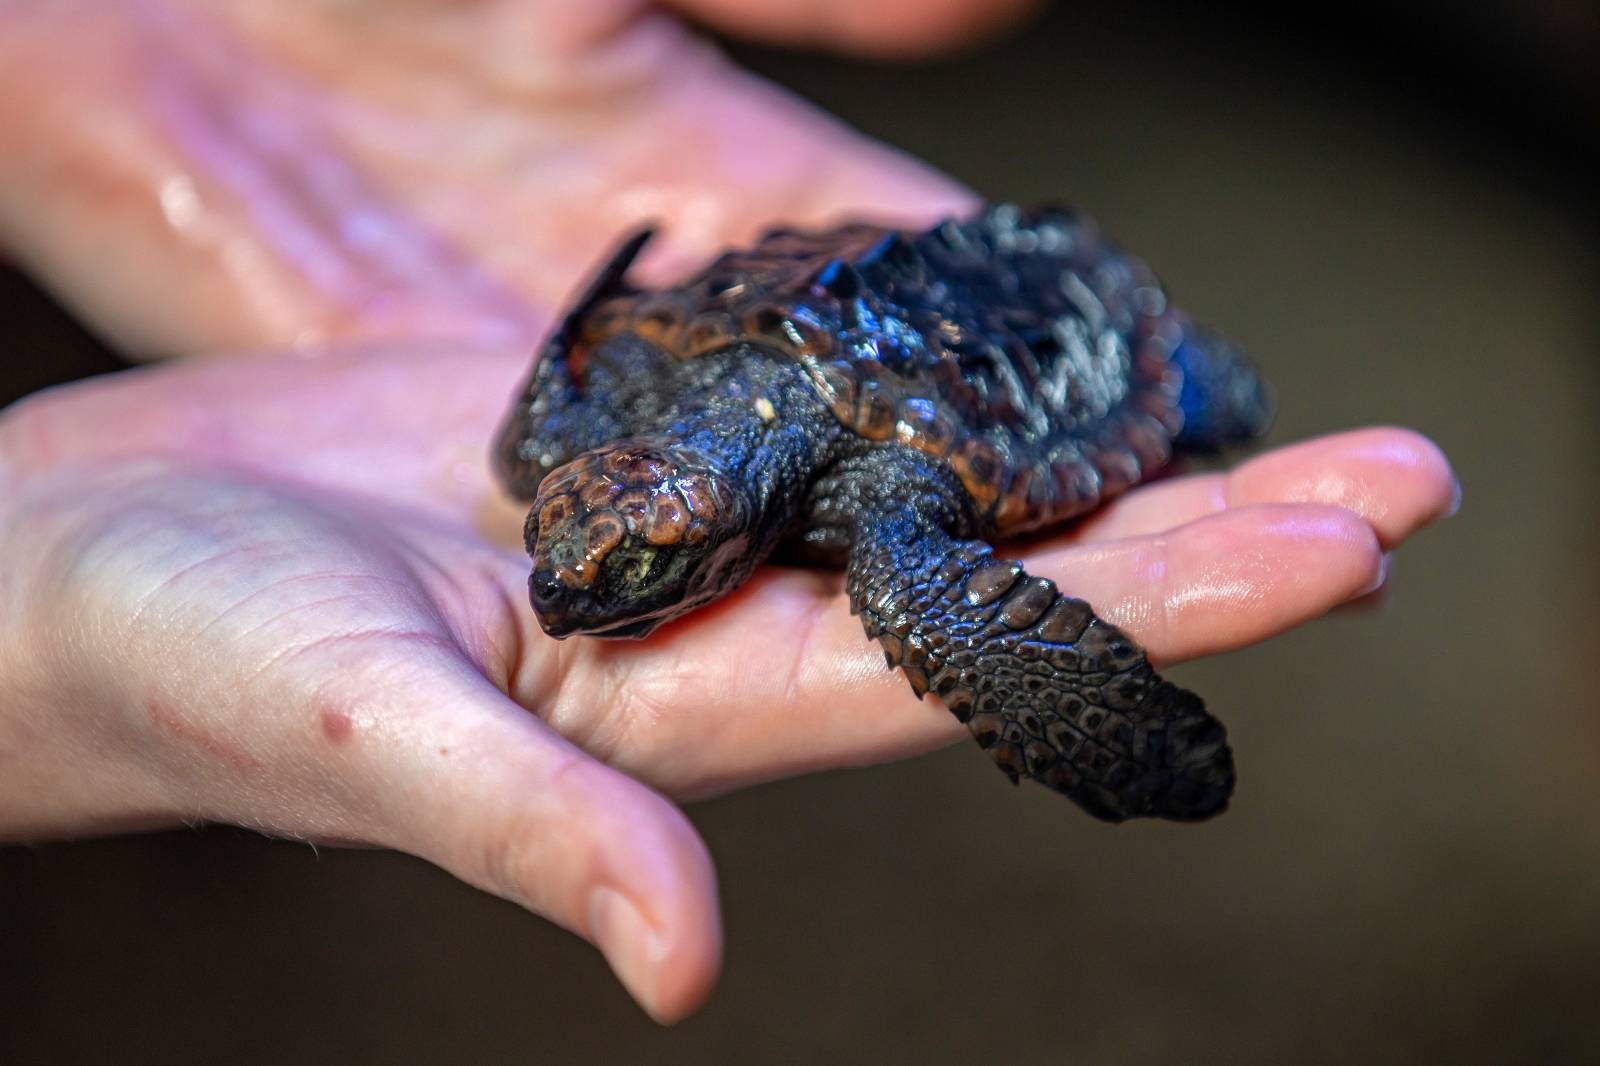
x=207 y=177
x=198 y=177
x=309 y=630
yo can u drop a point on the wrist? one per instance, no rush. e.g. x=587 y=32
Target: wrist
x=65 y=763
x=57 y=778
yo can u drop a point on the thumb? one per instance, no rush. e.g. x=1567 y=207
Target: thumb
x=466 y=778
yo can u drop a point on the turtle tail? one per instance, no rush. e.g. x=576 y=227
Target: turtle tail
x=1224 y=399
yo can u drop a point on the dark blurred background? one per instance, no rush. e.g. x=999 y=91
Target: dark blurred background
x=1394 y=210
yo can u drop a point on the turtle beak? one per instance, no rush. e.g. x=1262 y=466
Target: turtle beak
x=561 y=614
x=549 y=598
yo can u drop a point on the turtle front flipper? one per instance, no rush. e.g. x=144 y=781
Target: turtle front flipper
x=1051 y=691
x=587 y=383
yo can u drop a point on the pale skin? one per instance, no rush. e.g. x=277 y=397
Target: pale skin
x=282 y=592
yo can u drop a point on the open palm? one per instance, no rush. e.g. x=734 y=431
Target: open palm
x=319 y=629
x=282 y=592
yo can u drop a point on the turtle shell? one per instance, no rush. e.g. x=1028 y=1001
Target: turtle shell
x=1020 y=347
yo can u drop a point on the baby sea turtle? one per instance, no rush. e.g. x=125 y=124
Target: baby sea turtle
x=887 y=402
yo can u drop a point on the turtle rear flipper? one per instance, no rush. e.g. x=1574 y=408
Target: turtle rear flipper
x=1224 y=399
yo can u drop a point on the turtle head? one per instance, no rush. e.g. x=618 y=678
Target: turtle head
x=626 y=537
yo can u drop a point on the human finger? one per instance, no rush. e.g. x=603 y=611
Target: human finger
x=781 y=680
x=1396 y=479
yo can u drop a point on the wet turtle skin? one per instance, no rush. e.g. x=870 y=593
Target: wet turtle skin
x=888 y=402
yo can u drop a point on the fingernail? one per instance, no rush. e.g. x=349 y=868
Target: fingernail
x=1383 y=575
x=629 y=942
